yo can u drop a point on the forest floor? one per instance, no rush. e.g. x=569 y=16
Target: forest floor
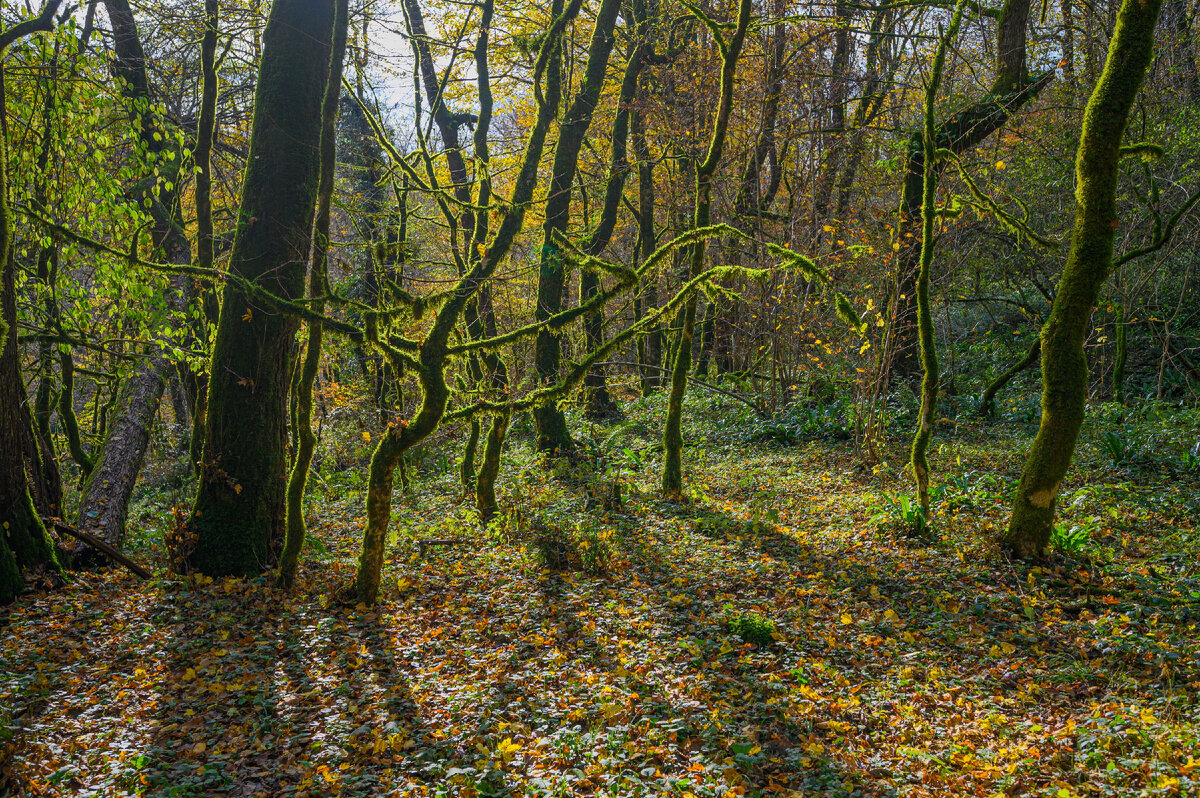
x=767 y=638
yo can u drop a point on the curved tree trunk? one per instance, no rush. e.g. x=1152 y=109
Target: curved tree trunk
x=681 y=365
x=1064 y=364
x=104 y=502
x=432 y=355
x=987 y=402
x=238 y=517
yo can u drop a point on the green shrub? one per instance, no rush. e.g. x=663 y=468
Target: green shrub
x=752 y=628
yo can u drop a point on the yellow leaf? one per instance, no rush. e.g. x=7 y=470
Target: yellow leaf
x=507 y=749
x=846 y=619
x=200 y=747
x=248 y=315
x=366 y=436
x=1001 y=165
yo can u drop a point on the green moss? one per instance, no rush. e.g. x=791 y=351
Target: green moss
x=928 y=346
x=681 y=362
x=240 y=505
x=317 y=289
x=485 y=485
x=1064 y=364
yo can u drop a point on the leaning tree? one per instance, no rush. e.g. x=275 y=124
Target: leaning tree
x=1064 y=363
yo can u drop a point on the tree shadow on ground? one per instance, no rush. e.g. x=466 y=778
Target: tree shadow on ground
x=263 y=693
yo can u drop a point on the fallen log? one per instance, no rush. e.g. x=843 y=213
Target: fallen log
x=99 y=545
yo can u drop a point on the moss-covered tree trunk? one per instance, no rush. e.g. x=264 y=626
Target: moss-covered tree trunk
x=318 y=287
x=600 y=403
x=900 y=355
x=24 y=542
x=1064 y=364
x=649 y=347
x=489 y=469
x=681 y=365
x=929 y=360
x=553 y=435
x=238 y=517
x=432 y=354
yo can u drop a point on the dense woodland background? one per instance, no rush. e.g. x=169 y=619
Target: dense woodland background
x=600 y=397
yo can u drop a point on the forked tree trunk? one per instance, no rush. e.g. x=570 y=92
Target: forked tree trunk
x=238 y=517
x=966 y=129
x=432 y=355
x=553 y=435
x=1064 y=364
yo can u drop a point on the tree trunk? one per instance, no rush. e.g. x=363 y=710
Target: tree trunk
x=672 y=476
x=1064 y=363
x=649 y=347
x=403 y=435
x=24 y=541
x=318 y=288
x=929 y=358
x=105 y=497
x=106 y=493
x=553 y=435
x=485 y=485
x=968 y=128
x=238 y=517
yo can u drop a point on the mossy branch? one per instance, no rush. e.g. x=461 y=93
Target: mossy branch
x=985 y=202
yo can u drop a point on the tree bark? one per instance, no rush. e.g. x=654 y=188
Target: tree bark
x=649 y=347
x=105 y=498
x=966 y=129
x=672 y=476
x=553 y=435
x=238 y=516
x=318 y=288
x=24 y=541
x=929 y=359
x=1064 y=363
